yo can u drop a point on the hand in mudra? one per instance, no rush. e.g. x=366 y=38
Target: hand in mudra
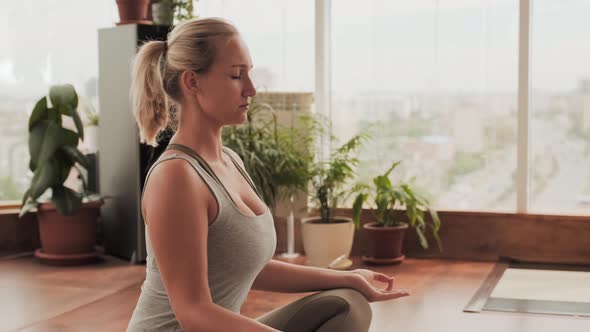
x=376 y=286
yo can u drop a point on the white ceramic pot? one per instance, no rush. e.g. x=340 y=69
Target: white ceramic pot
x=323 y=243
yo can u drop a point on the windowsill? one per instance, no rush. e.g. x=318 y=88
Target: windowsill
x=7 y=211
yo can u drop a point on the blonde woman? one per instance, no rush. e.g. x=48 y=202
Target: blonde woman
x=210 y=238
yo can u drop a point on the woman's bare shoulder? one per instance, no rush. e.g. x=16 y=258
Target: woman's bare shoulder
x=176 y=182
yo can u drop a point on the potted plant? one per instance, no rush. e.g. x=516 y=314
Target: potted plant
x=276 y=157
x=133 y=11
x=67 y=220
x=164 y=11
x=328 y=238
x=386 y=233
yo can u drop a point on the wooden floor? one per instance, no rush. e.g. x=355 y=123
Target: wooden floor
x=35 y=297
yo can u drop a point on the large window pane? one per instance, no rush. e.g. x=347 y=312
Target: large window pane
x=437 y=80
x=280 y=36
x=560 y=107
x=43 y=42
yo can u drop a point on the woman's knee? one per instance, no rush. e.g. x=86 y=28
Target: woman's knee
x=356 y=314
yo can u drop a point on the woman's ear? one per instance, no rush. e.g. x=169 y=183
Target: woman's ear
x=189 y=81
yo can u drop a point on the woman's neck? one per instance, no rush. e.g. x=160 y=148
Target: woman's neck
x=201 y=135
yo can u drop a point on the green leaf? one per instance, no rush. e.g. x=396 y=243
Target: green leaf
x=63 y=97
x=69 y=137
x=391 y=168
x=36 y=137
x=44 y=178
x=76 y=156
x=27 y=207
x=53 y=115
x=32 y=165
x=357 y=208
x=52 y=140
x=435 y=220
x=423 y=241
x=26 y=196
x=67 y=202
x=65 y=110
x=39 y=112
x=411 y=212
x=63 y=167
x=78 y=123
x=438 y=241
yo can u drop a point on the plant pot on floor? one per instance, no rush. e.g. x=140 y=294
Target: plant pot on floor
x=68 y=240
x=325 y=242
x=384 y=244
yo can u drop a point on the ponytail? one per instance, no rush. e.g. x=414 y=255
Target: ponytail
x=150 y=102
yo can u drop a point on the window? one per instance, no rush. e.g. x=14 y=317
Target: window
x=44 y=42
x=280 y=36
x=560 y=107
x=437 y=81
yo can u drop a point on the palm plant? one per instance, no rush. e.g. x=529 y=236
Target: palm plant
x=277 y=157
x=329 y=177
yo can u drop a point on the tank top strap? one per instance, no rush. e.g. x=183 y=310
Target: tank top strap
x=216 y=190
x=208 y=169
x=245 y=174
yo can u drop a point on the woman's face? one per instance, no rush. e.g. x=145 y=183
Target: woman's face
x=224 y=91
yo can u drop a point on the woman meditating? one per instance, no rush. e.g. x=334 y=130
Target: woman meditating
x=210 y=237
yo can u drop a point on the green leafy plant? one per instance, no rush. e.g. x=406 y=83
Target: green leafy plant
x=183 y=9
x=389 y=198
x=180 y=9
x=330 y=177
x=277 y=157
x=53 y=151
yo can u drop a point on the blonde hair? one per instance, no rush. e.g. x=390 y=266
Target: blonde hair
x=155 y=78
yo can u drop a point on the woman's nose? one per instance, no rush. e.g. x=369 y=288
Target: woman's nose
x=250 y=90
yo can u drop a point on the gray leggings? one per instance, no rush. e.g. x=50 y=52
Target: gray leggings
x=342 y=310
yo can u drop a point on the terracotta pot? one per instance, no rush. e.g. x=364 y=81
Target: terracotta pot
x=67 y=238
x=324 y=242
x=385 y=243
x=133 y=11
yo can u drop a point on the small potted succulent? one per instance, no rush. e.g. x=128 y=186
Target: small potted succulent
x=389 y=202
x=67 y=218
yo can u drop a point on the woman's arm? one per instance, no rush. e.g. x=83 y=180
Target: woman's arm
x=277 y=276
x=283 y=277
x=176 y=213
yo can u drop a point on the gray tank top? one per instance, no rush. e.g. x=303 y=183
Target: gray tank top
x=238 y=247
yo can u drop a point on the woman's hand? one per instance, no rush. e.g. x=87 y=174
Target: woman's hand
x=376 y=286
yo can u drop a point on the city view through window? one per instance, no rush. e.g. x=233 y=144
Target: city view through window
x=435 y=81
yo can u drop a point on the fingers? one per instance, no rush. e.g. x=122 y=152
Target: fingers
x=390 y=295
x=384 y=278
